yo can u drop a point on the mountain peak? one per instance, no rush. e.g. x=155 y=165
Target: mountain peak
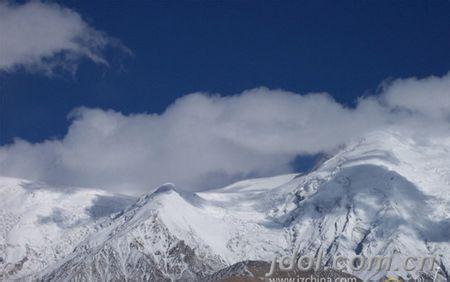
x=379 y=196
x=166 y=187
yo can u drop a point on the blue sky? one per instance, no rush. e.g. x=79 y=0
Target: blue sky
x=181 y=47
x=95 y=93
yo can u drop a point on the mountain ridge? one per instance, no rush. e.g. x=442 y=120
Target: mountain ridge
x=380 y=195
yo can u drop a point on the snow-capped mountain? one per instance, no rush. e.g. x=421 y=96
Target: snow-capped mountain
x=384 y=194
x=41 y=224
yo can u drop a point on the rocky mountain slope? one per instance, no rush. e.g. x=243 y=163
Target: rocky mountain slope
x=252 y=271
x=381 y=195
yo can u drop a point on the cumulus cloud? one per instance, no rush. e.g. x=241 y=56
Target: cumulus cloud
x=43 y=37
x=203 y=139
x=429 y=96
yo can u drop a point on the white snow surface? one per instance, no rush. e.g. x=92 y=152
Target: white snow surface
x=380 y=195
x=40 y=224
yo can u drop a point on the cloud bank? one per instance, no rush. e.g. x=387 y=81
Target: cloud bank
x=202 y=140
x=42 y=37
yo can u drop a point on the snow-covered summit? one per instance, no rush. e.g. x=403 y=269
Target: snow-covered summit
x=380 y=195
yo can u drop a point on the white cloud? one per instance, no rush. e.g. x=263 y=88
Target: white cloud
x=429 y=96
x=44 y=37
x=201 y=139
